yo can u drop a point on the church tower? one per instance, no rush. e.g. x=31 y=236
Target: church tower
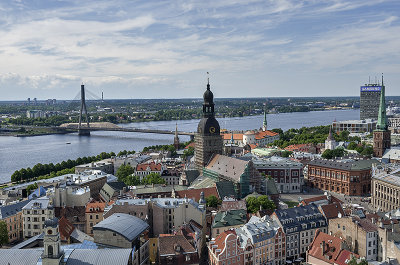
x=208 y=140
x=176 y=138
x=330 y=142
x=264 y=128
x=52 y=254
x=381 y=134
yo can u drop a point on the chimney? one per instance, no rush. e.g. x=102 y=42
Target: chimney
x=323 y=247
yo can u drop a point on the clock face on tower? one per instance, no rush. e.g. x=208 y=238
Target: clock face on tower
x=212 y=130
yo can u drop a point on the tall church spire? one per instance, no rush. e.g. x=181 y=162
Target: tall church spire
x=265 y=121
x=382 y=123
x=382 y=135
x=176 y=138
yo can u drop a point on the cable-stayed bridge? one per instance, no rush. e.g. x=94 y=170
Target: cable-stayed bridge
x=84 y=127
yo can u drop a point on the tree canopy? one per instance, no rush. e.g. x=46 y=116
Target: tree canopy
x=212 y=201
x=3 y=233
x=253 y=203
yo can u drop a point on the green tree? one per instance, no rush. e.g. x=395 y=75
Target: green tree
x=188 y=152
x=212 y=201
x=31 y=187
x=124 y=171
x=266 y=203
x=3 y=233
x=286 y=153
x=352 y=146
x=253 y=203
x=368 y=151
x=153 y=178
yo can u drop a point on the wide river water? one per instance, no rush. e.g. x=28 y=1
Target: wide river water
x=23 y=152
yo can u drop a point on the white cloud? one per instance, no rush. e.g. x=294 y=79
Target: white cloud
x=155 y=44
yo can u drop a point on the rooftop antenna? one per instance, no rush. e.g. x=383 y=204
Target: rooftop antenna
x=102 y=96
x=382 y=79
x=369 y=79
x=208 y=78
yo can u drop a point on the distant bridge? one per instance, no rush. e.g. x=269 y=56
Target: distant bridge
x=107 y=126
x=103 y=126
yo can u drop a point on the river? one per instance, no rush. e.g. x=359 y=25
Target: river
x=23 y=152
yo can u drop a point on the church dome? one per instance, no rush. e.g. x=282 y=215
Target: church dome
x=51 y=222
x=208 y=96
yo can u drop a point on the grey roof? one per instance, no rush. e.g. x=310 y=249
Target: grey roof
x=258 y=229
x=345 y=164
x=225 y=189
x=80 y=236
x=19 y=256
x=227 y=166
x=191 y=175
x=117 y=186
x=99 y=256
x=271 y=187
x=126 y=225
x=27 y=242
x=295 y=218
x=146 y=189
x=12 y=209
x=40 y=203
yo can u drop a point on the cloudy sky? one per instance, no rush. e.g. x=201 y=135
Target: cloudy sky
x=163 y=49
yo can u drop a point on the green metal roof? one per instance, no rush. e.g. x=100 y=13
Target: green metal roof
x=230 y=218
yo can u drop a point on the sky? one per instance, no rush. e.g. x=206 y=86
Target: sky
x=164 y=49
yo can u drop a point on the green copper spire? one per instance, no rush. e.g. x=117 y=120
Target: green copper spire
x=382 y=123
x=265 y=121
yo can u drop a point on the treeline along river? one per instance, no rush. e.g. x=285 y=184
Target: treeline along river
x=23 y=152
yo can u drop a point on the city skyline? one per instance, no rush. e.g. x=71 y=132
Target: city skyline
x=151 y=49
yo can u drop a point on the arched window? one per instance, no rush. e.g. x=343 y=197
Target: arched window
x=50 y=250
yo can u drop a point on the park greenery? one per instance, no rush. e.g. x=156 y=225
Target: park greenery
x=255 y=203
x=329 y=154
x=44 y=171
x=362 y=149
x=3 y=233
x=125 y=173
x=306 y=135
x=212 y=201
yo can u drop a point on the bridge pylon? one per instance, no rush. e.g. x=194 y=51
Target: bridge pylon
x=85 y=131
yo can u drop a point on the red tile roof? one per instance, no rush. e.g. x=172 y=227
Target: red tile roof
x=332 y=210
x=236 y=136
x=233 y=205
x=320 y=198
x=95 y=207
x=263 y=134
x=65 y=228
x=345 y=256
x=220 y=240
x=152 y=165
x=167 y=245
x=325 y=247
x=253 y=146
x=195 y=193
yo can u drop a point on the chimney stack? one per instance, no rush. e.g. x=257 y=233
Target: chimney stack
x=323 y=247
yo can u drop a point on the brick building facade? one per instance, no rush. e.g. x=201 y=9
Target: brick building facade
x=349 y=177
